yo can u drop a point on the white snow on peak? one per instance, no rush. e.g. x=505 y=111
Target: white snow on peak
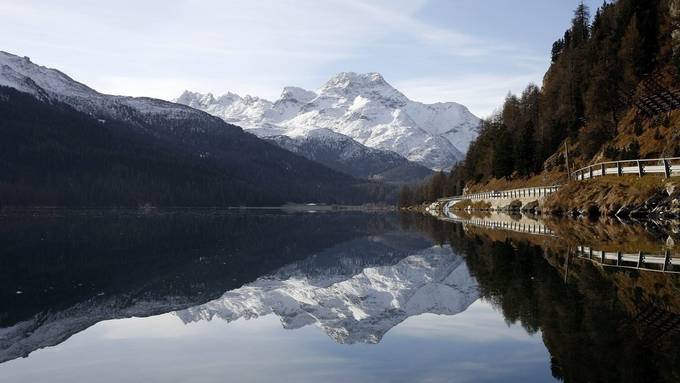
x=50 y=84
x=372 y=86
x=200 y=101
x=364 y=107
x=295 y=94
x=24 y=75
x=355 y=309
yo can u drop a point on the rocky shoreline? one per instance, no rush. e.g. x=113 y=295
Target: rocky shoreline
x=640 y=199
x=646 y=199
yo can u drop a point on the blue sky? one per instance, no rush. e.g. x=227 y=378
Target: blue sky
x=472 y=52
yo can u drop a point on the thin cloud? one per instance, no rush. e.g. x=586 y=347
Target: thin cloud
x=480 y=92
x=258 y=47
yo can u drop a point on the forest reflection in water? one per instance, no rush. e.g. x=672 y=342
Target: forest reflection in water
x=63 y=272
x=600 y=322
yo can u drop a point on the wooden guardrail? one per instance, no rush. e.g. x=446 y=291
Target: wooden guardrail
x=667 y=166
x=640 y=261
x=538 y=191
x=520 y=227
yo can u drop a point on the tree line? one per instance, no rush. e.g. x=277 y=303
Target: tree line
x=595 y=62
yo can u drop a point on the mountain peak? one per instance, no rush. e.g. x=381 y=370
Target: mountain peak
x=354 y=76
x=345 y=80
x=371 y=86
x=366 y=108
x=195 y=99
x=228 y=97
x=6 y=56
x=16 y=70
x=293 y=93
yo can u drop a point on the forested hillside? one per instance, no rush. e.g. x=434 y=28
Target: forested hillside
x=611 y=92
x=54 y=155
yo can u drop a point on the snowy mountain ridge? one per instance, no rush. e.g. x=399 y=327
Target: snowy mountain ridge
x=341 y=153
x=48 y=84
x=357 y=309
x=363 y=107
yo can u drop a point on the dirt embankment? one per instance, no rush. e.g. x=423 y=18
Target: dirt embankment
x=648 y=197
x=617 y=196
x=556 y=175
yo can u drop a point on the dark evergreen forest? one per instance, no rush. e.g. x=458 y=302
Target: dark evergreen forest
x=53 y=155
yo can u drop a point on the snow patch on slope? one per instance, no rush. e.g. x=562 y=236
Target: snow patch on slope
x=49 y=84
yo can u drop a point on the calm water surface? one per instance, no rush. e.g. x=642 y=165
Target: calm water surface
x=213 y=296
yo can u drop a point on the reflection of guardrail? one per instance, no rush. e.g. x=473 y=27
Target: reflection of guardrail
x=520 y=227
x=640 y=261
x=667 y=166
x=538 y=191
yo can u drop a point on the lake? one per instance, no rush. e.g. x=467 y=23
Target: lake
x=270 y=295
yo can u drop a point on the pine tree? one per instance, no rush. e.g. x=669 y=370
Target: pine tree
x=580 y=25
x=435 y=188
x=525 y=149
x=502 y=163
x=631 y=53
x=529 y=103
x=405 y=196
x=511 y=114
x=556 y=51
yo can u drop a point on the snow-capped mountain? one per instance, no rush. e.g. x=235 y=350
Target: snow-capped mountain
x=48 y=84
x=344 y=154
x=230 y=167
x=361 y=106
x=358 y=309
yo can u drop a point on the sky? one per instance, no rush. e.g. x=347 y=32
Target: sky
x=475 y=346
x=468 y=51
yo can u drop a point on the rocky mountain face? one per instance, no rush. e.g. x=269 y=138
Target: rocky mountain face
x=363 y=107
x=341 y=153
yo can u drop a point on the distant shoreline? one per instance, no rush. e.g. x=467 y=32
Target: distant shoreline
x=295 y=208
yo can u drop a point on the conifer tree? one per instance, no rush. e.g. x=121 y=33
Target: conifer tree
x=435 y=189
x=524 y=149
x=405 y=196
x=631 y=53
x=580 y=25
x=502 y=165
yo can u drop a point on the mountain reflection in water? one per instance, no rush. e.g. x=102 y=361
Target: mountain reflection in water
x=360 y=306
x=356 y=276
